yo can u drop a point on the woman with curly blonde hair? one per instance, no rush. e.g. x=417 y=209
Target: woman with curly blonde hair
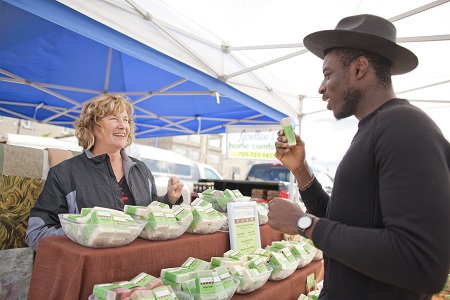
x=93 y=111
x=103 y=175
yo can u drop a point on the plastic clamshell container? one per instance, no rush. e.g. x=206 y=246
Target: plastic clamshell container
x=250 y=284
x=222 y=295
x=154 y=231
x=100 y=235
x=282 y=272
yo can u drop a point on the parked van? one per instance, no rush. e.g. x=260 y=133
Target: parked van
x=165 y=164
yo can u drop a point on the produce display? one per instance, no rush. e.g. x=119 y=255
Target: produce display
x=161 y=221
x=100 y=227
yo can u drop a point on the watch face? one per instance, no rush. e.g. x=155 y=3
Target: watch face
x=304 y=222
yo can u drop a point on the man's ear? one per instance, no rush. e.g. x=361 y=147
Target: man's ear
x=361 y=66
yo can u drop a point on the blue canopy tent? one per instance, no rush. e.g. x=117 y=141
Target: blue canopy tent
x=54 y=59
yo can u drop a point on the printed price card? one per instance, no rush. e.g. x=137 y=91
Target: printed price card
x=243 y=226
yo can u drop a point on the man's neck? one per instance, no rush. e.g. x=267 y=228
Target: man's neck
x=373 y=100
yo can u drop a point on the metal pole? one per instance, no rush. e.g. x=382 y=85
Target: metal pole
x=293 y=190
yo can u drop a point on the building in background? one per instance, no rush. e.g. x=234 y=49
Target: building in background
x=27 y=127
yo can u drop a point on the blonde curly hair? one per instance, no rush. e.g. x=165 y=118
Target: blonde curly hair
x=104 y=105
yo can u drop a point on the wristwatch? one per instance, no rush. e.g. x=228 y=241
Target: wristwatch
x=303 y=223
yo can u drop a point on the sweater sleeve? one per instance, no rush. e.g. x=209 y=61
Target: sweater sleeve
x=412 y=160
x=315 y=199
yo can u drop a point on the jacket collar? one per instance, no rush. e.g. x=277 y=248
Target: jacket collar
x=126 y=160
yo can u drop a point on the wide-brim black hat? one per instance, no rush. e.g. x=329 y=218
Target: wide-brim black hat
x=364 y=32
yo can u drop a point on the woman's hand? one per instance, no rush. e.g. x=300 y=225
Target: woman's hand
x=174 y=189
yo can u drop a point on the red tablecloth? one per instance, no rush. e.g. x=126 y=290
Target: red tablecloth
x=66 y=270
x=286 y=289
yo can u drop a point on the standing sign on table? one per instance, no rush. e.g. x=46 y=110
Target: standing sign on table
x=243 y=226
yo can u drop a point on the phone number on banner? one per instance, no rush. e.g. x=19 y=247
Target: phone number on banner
x=253 y=154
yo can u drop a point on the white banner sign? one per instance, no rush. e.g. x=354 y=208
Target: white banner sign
x=252 y=142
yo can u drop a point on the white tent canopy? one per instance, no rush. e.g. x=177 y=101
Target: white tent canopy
x=256 y=46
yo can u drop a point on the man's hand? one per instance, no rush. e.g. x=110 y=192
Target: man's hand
x=293 y=157
x=283 y=215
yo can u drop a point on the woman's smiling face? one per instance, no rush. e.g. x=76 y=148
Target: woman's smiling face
x=114 y=133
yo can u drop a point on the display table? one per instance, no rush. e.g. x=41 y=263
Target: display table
x=66 y=270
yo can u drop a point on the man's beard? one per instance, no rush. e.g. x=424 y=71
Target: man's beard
x=352 y=98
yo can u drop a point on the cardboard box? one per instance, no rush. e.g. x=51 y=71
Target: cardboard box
x=259 y=194
x=272 y=194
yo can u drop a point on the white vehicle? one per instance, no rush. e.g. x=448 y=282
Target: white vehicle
x=208 y=172
x=39 y=142
x=165 y=164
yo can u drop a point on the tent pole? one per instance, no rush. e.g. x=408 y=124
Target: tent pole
x=293 y=192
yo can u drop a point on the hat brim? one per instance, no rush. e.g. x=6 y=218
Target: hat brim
x=403 y=60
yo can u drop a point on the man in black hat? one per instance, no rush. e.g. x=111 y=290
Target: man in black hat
x=385 y=230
